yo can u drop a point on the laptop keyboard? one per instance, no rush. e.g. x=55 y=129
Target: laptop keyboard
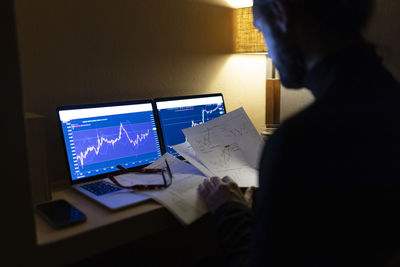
x=100 y=188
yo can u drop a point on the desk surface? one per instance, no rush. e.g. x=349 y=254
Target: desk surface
x=104 y=229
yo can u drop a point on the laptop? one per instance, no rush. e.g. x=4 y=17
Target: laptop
x=99 y=137
x=177 y=113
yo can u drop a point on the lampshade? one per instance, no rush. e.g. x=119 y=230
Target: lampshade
x=247 y=39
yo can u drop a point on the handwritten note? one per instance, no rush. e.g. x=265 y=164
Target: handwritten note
x=186 y=150
x=228 y=145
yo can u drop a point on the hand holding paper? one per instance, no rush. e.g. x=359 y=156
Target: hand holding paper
x=216 y=191
x=228 y=146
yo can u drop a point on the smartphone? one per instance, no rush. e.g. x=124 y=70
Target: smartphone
x=60 y=214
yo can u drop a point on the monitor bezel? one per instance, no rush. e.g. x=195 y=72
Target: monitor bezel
x=99 y=105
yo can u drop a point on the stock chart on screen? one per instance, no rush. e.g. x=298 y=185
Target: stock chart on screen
x=179 y=114
x=97 y=144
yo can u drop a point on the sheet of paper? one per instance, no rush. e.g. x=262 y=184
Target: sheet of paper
x=244 y=176
x=181 y=197
x=186 y=151
x=228 y=145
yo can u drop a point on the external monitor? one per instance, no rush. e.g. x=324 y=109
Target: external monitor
x=177 y=113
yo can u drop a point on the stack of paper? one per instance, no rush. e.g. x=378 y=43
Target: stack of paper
x=181 y=197
x=226 y=146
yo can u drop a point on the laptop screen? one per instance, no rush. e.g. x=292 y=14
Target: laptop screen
x=98 y=138
x=178 y=113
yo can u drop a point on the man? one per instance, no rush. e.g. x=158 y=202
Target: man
x=329 y=178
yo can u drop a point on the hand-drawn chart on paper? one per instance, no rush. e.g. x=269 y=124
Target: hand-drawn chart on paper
x=228 y=145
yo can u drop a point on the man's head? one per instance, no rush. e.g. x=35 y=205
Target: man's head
x=299 y=32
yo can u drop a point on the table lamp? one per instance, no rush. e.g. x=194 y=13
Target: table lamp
x=248 y=40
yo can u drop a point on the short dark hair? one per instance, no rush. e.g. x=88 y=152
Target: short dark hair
x=334 y=18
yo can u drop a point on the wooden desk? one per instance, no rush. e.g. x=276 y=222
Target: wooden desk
x=103 y=230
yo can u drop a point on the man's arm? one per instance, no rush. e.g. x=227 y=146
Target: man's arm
x=234 y=221
x=233 y=215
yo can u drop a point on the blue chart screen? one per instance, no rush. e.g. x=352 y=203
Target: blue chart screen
x=173 y=120
x=97 y=145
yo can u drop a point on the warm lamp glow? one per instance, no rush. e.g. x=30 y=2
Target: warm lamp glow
x=247 y=39
x=240 y=3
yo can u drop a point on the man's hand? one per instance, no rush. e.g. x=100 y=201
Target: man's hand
x=216 y=191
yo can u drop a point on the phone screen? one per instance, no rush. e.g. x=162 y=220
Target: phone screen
x=60 y=213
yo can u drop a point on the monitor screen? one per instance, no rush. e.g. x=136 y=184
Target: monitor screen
x=179 y=113
x=99 y=138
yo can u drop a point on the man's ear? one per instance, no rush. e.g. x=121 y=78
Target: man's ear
x=281 y=12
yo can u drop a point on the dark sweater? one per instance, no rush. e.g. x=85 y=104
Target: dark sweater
x=329 y=178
